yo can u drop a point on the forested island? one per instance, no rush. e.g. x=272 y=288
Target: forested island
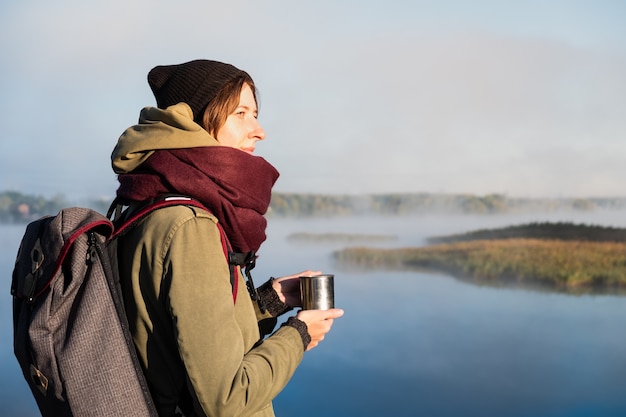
x=561 y=256
x=17 y=207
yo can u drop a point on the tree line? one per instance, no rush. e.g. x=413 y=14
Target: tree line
x=294 y=204
x=17 y=207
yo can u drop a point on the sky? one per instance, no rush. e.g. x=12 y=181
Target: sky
x=522 y=98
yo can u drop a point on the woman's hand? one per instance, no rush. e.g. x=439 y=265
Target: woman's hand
x=288 y=288
x=318 y=323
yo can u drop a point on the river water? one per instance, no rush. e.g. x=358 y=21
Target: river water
x=424 y=344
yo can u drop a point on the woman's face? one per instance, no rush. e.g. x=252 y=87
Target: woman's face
x=242 y=129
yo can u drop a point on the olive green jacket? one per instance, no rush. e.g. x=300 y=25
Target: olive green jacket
x=190 y=335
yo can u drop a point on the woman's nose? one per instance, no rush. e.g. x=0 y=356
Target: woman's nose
x=257 y=131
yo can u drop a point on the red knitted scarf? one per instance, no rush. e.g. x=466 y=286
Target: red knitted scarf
x=235 y=186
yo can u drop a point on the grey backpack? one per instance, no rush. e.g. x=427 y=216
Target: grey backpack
x=71 y=335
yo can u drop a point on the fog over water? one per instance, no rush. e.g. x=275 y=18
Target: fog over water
x=425 y=344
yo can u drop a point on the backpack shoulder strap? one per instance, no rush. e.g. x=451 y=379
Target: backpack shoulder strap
x=175 y=200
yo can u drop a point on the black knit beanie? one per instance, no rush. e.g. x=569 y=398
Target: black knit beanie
x=195 y=83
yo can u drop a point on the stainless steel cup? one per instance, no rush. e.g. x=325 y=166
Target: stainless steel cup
x=317 y=292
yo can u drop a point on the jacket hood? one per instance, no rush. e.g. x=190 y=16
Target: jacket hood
x=170 y=128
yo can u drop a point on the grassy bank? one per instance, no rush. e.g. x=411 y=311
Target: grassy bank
x=567 y=264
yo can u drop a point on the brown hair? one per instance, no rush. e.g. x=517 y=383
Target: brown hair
x=225 y=103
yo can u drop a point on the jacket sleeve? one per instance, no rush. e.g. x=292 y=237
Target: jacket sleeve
x=273 y=308
x=231 y=374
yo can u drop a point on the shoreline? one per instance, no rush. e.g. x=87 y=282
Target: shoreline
x=561 y=257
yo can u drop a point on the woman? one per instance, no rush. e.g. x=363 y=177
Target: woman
x=197 y=333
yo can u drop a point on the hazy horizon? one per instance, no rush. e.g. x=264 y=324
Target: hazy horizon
x=524 y=99
x=49 y=194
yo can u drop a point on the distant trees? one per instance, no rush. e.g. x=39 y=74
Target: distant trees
x=541 y=230
x=415 y=203
x=492 y=203
x=310 y=205
x=18 y=207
